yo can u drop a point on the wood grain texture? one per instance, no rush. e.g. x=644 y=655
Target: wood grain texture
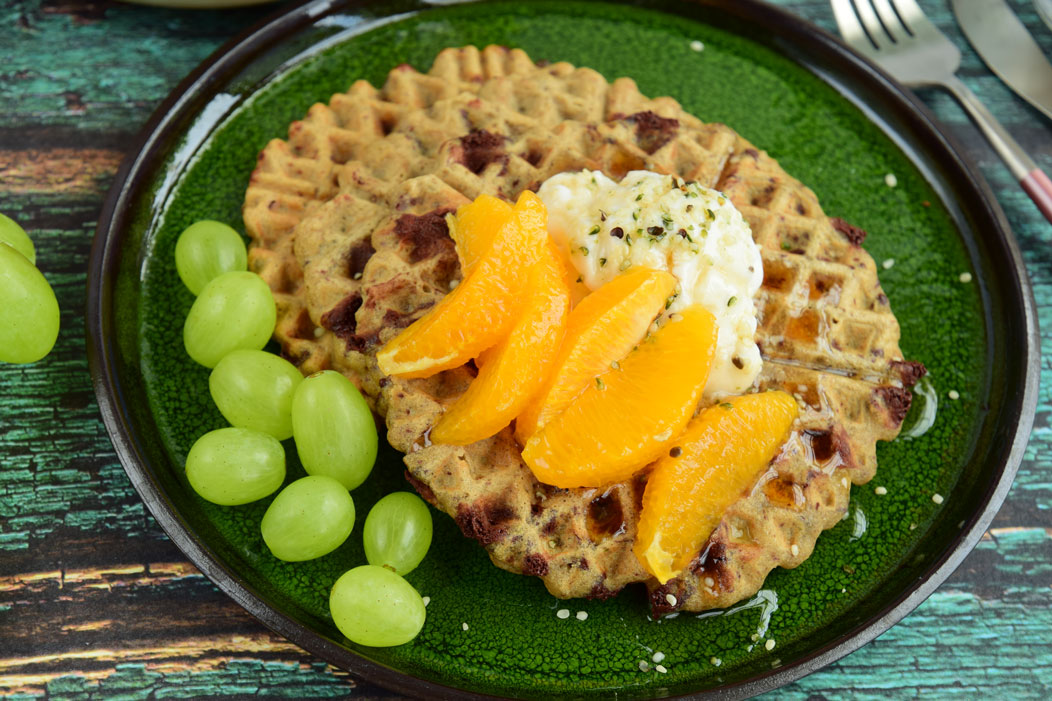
x=95 y=602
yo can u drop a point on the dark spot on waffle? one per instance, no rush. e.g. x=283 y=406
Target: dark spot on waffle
x=582 y=564
x=384 y=382
x=357 y=257
x=296 y=359
x=661 y=604
x=550 y=527
x=653 y=131
x=599 y=591
x=852 y=233
x=536 y=508
x=820 y=445
x=535 y=564
x=340 y=319
x=394 y=319
x=877 y=352
x=752 y=152
x=782 y=491
x=303 y=327
x=543 y=63
x=426 y=235
x=606 y=518
x=421 y=488
x=498 y=513
x=897 y=400
x=534 y=157
x=474 y=523
x=763 y=197
x=909 y=370
x=800 y=208
x=480 y=148
x=882 y=299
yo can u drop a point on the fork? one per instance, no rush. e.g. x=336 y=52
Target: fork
x=898 y=37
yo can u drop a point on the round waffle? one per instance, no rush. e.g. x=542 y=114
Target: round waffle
x=348 y=225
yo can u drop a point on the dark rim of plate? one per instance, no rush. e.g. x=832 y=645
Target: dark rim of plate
x=969 y=199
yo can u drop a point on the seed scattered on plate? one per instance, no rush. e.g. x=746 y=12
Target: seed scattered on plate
x=769 y=644
x=715 y=661
x=427 y=600
x=937 y=498
x=464 y=626
x=890 y=180
x=563 y=613
x=658 y=657
x=888 y=263
x=965 y=277
x=697 y=46
x=582 y=615
x=953 y=394
x=913 y=526
x=670 y=599
x=661 y=668
x=643 y=666
x=880 y=491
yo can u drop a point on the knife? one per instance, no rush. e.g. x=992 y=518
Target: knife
x=1008 y=49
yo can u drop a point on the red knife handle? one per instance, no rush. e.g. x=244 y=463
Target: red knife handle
x=1039 y=187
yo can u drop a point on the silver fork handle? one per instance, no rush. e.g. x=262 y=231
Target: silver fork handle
x=1011 y=152
x=1033 y=180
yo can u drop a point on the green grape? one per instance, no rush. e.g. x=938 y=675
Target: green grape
x=374 y=606
x=235 y=311
x=397 y=532
x=235 y=466
x=307 y=519
x=207 y=249
x=253 y=389
x=16 y=237
x=334 y=430
x=28 y=310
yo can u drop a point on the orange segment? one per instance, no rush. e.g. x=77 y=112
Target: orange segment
x=514 y=369
x=601 y=330
x=720 y=456
x=476 y=225
x=628 y=416
x=480 y=311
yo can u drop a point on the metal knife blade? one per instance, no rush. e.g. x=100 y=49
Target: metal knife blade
x=1008 y=49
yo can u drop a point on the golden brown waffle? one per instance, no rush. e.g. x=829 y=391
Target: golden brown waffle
x=347 y=225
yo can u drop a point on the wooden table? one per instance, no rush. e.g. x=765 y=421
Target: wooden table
x=96 y=602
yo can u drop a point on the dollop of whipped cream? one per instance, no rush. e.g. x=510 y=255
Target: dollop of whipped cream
x=660 y=221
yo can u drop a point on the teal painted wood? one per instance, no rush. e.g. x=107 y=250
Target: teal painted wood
x=82 y=566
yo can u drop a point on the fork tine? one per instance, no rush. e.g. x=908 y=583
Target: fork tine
x=850 y=29
x=872 y=24
x=914 y=19
x=892 y=23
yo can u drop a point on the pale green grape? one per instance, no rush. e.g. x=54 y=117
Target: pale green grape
x=235 y=466
x=28 y=310
x=374 y=606
x=16 y=237
x=397 y=532
x=234 y=311
x=253 y=389
x=307 y=519
x=207 y=249
x=334 y=430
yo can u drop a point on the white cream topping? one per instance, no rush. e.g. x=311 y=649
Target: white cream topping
x=662 y=222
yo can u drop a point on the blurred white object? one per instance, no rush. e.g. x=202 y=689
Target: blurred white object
x=1044 y=8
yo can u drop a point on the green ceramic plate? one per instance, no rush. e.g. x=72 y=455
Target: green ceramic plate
x=829 y=118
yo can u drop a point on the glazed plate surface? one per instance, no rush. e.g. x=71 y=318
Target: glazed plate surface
x=831 y=120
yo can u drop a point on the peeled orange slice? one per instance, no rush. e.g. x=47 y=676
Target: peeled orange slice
x=475 y=226
x=629 y=415
x=718 y=458
x=512 y=371
x=601 y=330
x=480 y=311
